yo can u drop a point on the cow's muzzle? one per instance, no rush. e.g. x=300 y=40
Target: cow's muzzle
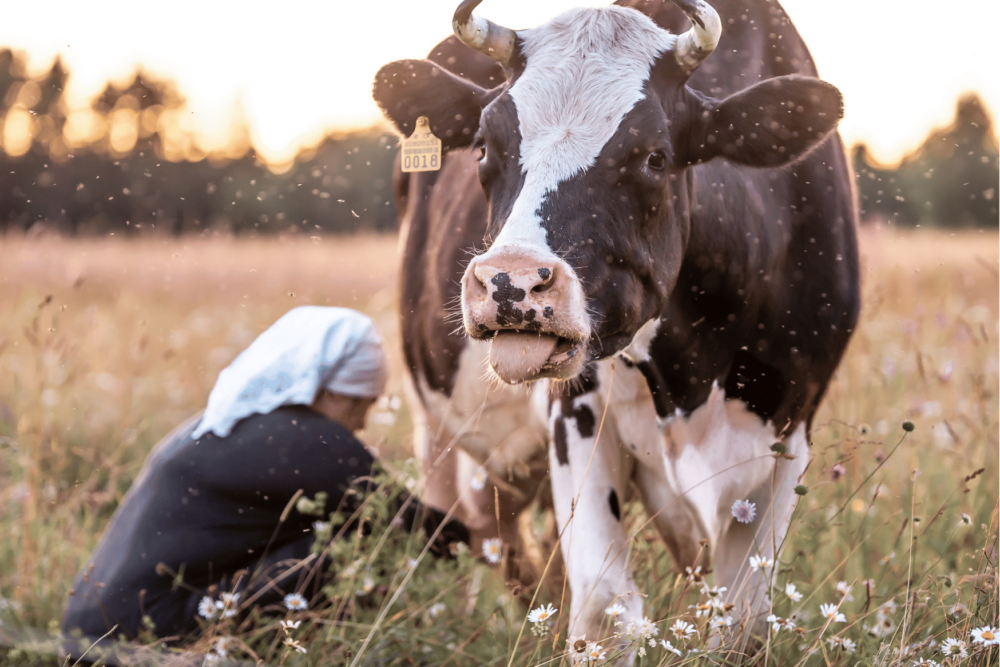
x=533 y=309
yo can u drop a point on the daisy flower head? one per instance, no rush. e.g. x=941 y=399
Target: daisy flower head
x=683 y=629
x=670 y=647
x=760 y=563
x=647 y=628
x=965 y=520
x=367 y=585
x=435 y=609
x=577 y=644
x=290 y=625
x=541 y=614
x=778 y=623
x=924 y=662
x=211 y=660
x=616 y=610
x=206 y=608
x=843 y=644
x=694 y=574
x=295 y=602
x=714 y=591
x=744 y=511
x=478 y=481
x=593 y=652
x=227 y=604
x=703 y=610
x=321 y=528
x=493 y=550
x=792 y=593
x=954 y=647
x=831 y=612
x=844 y=590
x=222 y=646
x=986 y=636
x=294 y=645
x=721 y=622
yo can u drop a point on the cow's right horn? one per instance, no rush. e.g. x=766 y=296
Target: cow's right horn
x=697 y=43
x=483 y=35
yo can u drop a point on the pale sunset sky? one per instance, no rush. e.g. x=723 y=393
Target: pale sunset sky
x=301 y=68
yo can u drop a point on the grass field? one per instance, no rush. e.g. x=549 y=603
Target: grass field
x=105 y=345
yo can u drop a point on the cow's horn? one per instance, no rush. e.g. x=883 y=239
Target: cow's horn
x=483 y=35
x=697 y=43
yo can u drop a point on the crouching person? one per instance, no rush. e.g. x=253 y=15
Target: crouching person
x=211 y=511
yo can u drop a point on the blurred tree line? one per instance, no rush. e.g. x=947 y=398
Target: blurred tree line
x=951 y=180
x=126 y=165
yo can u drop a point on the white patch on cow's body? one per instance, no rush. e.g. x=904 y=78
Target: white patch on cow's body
x=638 y=349
x=584 y=71
x=716 y=456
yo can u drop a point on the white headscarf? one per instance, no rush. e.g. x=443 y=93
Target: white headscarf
x=308 y=349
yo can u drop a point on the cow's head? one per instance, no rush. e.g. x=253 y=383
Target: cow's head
x=582 y=157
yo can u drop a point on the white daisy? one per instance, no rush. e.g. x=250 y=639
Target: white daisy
x=694 y=574
x=478 y=481
x=541 y=614
x=222 y=645
x=965 y=520
x=985 y=635
x=842 y=643
x=593 y=652
x=493 y=550
x=683 y=629
x=577 y=644
x=703 y=609
x=792 y=594
x=844 y=590
x=206 y=608
x=954 y=647
x=760 y=563
x=435 y=609
x=721 y=622
x=924 y=662
x=290 y=625
x=227 y=604
x=211 y=660
x=778 y=623
x=831 y=612
x=295 y=602
x=616 y=610
x=647 y=628
x=292 y=644
x=744 y=511
x=367 y=585
x=670 y=647
x=714 y=591
x=321 y=528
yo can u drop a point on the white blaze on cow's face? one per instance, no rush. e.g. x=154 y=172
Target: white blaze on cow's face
x=584 y=72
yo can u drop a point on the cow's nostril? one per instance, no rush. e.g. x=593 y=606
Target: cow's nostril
x=548 y=280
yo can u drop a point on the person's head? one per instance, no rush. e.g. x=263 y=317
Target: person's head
x=311 y=353
x=350 y=411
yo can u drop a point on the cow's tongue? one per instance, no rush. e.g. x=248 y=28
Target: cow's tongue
x=517 y=357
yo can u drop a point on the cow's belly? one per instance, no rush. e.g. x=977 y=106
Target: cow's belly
x=484 y=426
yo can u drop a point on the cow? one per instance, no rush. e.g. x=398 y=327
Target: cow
x=646 y=223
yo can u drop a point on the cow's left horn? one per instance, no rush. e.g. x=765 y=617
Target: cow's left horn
x=483 y=35
x=697 y=43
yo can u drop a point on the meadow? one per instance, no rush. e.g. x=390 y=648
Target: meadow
x=107 y=344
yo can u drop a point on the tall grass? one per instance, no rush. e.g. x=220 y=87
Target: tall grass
x=106 y=345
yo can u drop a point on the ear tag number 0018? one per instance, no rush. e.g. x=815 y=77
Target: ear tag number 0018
x=422 y=150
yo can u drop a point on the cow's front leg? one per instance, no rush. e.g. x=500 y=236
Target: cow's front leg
x=589 y=481
x=774 y=500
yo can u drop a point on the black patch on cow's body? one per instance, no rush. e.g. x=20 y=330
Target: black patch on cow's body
x=759 y=385
x=657 y=387
x=559 y=438
x=613 y=504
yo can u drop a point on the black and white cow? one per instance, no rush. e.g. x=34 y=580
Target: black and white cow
x=654 y=252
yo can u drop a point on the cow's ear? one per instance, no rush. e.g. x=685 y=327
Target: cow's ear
x=767 y=125
x=408 y=89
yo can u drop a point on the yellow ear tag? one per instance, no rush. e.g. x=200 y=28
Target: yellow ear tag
x=422 y=151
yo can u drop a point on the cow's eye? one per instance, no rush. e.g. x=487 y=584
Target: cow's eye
x=480 y=150
x=656 y=161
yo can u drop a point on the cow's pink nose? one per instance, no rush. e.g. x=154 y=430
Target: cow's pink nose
x=514 y=291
